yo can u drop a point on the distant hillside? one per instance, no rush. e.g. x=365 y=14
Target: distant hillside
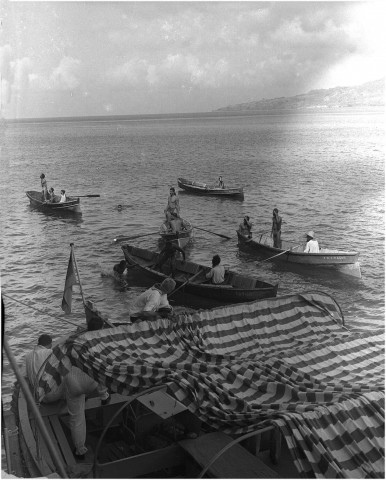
x=370 y=94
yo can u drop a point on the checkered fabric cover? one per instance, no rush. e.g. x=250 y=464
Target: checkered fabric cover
x=289 y=361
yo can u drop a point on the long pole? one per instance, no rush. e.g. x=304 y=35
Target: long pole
x=35 y=410
x=278 y=255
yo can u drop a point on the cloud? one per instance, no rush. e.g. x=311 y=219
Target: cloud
x=65 y=75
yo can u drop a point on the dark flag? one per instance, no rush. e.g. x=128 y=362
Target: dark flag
x=70 y=281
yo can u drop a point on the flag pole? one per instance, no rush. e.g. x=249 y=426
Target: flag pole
x=77 y=272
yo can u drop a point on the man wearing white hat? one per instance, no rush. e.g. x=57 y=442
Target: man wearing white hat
x=312 y=244
x=149 y=302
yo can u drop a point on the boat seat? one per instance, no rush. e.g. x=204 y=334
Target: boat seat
x=187 y=267
x=235 y=462
x=143 y=253
x=241 y=281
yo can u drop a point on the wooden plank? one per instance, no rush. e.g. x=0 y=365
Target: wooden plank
x=143 y=464
x=11 y=443
x=29 y=438
x=236 y=462
x=62 y=440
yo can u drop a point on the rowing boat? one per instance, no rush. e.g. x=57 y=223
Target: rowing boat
x=236 y=287
x=71 y=205
x=181 y=238
x=201 y=188
x=294 y=254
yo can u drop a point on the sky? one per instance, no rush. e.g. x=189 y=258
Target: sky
x=70 y=58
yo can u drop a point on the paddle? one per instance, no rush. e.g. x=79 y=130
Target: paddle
x=83 y=196
x=122 y=238
x=214 y=233
x=278 y=255
x=187 y=281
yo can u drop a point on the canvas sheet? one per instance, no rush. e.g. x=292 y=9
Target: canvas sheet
x=289 y=361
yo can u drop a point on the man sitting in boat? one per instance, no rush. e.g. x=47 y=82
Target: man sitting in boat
x=63 y=197
x=173 y=205
x=217 y=272
x=245 y=227
x=148 y=303
x=51 y=194
x=220 y=183
x=312 y=244
x=175 y=222
x=169 y=252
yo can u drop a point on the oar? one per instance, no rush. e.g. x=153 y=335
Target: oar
x=122 y=238
x=90 y=196
x=187 y=281
x=214 y=233
x=278 y=255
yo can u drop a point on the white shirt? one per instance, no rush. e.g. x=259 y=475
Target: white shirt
x=150 y=301
x=34 y=360
x=312 y=247
x=63 y=198
x=217 y=274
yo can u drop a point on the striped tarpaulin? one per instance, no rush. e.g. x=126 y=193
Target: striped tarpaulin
x=289 y=361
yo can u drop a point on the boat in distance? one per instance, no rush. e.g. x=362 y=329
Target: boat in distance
x=71 y=205
x=201 y=188
x=181 y=238
x=295 y=254
x=236 y=287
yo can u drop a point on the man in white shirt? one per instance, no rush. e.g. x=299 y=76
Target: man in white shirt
x=217 y=272
x=152 y=299
x=35 y=359
x=312 y=244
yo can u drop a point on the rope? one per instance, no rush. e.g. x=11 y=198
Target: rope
x=37 y=310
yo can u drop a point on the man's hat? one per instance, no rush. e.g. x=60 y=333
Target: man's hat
x=167 y=285
x=310 y=234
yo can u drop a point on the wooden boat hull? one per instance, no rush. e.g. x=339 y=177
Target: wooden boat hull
x=35 y=198
x=237 y=288
x=324 y=258
x=203 y=189
x=181 y=238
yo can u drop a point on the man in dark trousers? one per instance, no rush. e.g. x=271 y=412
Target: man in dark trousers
x=169 y=253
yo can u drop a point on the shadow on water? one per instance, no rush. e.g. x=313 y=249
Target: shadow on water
x=219 y=198
x=74 y=217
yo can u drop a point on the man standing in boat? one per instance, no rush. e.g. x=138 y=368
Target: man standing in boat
x=44 y=186
x=169 y=252
x=173 y=205
x=276 y=228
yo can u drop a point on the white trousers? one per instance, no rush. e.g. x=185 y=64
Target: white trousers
x=77 y=385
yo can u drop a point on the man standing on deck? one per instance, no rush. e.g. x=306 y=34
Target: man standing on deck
x=33 y=362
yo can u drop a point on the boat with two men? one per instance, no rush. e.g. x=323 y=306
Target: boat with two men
x=345 y=261
x=201 y=188
x=236 y=287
